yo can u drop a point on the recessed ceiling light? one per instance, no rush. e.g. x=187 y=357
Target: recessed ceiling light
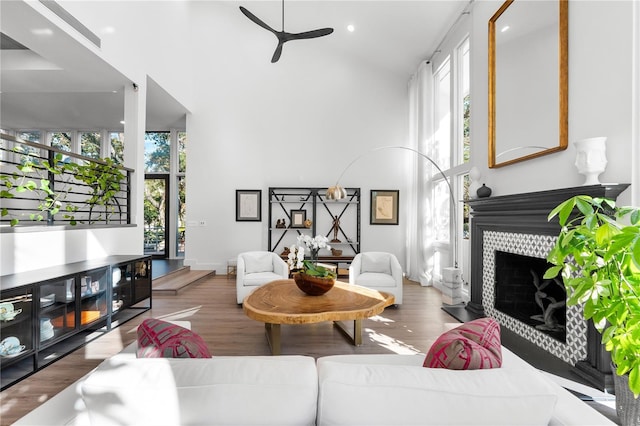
x=351 y=28
x=122 y=122
x=42 y=31
x=504 y=29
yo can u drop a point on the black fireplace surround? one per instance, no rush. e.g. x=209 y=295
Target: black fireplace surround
x=527 y=214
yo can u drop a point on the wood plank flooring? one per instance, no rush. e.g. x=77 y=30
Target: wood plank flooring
x=210 y=305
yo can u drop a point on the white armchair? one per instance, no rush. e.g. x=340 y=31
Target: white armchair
x=378 y=271
x=256 y=268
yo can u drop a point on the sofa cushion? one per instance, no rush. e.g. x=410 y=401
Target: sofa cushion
x=258 y=262
x=376 y=262
x=162 y=339
x=368 y=394
x=239 y=390
x=473 y=345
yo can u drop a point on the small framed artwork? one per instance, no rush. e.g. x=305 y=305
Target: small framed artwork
x=297 y=218
x=248 y=205
x=384 y=207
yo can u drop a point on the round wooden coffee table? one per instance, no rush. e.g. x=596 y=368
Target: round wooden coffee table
x=282 y=302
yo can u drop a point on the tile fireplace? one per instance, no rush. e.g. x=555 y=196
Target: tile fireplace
x=510 y=239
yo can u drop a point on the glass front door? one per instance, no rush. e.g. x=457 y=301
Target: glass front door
x=156 y=213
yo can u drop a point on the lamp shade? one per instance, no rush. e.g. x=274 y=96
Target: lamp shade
x=336 y=192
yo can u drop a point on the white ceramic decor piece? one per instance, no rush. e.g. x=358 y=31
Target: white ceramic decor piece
x=474 y=175
x=591 y=158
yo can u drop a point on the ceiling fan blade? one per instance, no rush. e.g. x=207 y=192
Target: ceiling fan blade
x=277 y=53
x=311 y=34
x=256 y=20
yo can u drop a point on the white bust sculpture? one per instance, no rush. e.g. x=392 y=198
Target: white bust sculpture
x=591 y=159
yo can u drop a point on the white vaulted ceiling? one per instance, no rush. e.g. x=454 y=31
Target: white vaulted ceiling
x=58 y=83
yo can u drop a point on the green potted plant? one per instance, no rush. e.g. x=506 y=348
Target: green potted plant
x=598 y=254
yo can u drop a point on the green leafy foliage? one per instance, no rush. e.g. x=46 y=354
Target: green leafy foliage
x=598 y=254
x=316 y=270
x=32 y=176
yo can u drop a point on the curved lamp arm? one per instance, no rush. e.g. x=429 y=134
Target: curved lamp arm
x=336 y=192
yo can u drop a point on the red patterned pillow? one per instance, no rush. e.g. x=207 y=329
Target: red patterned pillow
x=161 y=339
x=473 y=345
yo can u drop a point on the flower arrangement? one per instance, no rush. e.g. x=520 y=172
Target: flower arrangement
x=314 y=244
x=295 y=258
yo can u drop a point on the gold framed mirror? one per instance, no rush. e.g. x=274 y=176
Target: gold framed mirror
x=528 y=80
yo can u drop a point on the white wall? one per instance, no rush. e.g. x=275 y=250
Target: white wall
x=600 y=42
x=298 y=122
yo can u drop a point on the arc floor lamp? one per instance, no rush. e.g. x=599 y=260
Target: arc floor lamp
x=452 y=276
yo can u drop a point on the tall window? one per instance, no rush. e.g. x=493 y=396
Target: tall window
x=451 y=146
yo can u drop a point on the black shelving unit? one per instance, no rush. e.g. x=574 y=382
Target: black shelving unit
x=321 y=212
x=64 y=307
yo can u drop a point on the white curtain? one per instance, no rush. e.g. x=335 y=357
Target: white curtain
x=419 y=253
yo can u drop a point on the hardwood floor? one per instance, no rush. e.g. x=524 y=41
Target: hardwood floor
x=210 y=306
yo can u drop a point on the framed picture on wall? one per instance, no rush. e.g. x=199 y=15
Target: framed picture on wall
x=384 y=207
x=248 y=205
x=297 y=218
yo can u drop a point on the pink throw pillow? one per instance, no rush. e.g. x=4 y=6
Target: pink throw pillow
x=473 y=345
x=161 y=339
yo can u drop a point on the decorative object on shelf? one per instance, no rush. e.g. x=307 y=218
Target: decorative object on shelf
x=314 y=244
x=284 y=36
x=46 y=329
x=474 y=185
x=336 y=252
x=314 y=280
x=248 y=205
x=484 y=191
x=598 y=254
x=308 y=223
x=8 y=311
x=384 y=207
x=297 y=218
x=47 y=300
x=337 y=192
x=11 y=347
x=591 y=158
x=280 y=223
x=336 y=228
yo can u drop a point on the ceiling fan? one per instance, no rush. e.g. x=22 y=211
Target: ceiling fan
x=284 y=36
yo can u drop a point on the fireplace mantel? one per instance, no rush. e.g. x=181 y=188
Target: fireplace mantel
x=541 y=202
x=525 y=214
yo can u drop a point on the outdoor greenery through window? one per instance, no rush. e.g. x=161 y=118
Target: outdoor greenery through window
x=165 y=199
x=90 y=143
x=157 y=152
x=61 y=140
x=117 y=147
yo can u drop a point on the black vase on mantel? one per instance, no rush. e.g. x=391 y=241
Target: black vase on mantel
x=484 y=191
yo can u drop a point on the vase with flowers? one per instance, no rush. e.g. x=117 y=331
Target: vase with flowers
x=311 y=278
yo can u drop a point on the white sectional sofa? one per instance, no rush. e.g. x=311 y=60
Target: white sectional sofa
x=300 y=390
